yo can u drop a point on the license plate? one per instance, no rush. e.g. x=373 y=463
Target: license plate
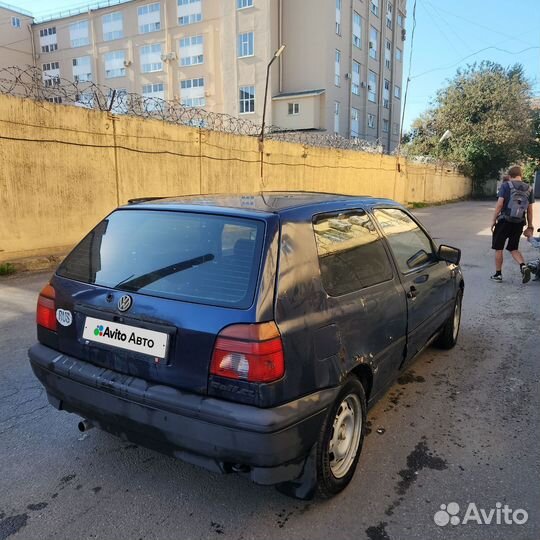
x=126 y=337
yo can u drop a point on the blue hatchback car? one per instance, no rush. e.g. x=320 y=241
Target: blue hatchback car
x=245 y=333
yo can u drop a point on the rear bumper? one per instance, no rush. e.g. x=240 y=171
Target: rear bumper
x=272 y=444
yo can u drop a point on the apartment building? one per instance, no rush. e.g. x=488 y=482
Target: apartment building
x=341 y=70
x=16 y=36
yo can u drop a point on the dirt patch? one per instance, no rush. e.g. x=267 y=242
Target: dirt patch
x=410 y=377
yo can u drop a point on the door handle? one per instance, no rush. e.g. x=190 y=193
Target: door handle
x=422 y=279
x=413 y=293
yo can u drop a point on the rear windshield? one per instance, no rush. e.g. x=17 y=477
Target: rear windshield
x=200 y=258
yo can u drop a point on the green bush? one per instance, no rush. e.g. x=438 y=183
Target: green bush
x=6 y=269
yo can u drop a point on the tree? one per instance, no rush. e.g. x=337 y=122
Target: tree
x=532 y=153
x=487 y=108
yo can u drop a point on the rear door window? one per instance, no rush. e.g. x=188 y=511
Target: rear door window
x=405 y=237
x=200 y=258
x=351 y=252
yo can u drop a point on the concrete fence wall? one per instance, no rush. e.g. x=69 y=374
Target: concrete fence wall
x=63 y=168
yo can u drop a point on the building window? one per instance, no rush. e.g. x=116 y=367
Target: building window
x=294 y=109
x=47 y=39
x=153 y=90
x=375 y=7
x=189 y=12
x=154 y=93
x=336 y=116
x=389 y=10
x=357 y=30
x=395 y=128
x=338 y=17
x=397 y=91
x=113 y=26
x=54 y=99
x=355 y=122
x=385 y=125
x=372 y=87
x=373 y=42
x=78 y=34
x=386 y=94
x=337 y=68
x=191 y=51
x=247 y=99
x=245 y=45
x=149 y=18
x=388 y=54
x=115 y=64
x=371 y=121
x=242 y=4
x=151 y=58
x=82 y=69
x=400 y=20
x=355 y=83
x=192 y=93
x=398 y=54
x=51 y=74
x=16 y=22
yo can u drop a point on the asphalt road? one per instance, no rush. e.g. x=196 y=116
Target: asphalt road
x=460 y=426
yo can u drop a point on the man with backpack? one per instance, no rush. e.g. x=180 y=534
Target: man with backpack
x=514 y=210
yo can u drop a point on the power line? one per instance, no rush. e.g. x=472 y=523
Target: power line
x=513 y=38
x=435 y=22
x=459 y=38
x=407 y=84
x=492 y=47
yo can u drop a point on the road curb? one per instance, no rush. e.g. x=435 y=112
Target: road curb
x=32 y=264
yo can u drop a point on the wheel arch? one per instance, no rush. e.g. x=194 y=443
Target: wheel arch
x=364 y=374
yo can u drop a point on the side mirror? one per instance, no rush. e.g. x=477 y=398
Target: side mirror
x=418 y=259
x=449 y=254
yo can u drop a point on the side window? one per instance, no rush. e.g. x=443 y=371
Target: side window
x=407 y=240
x=351 y=252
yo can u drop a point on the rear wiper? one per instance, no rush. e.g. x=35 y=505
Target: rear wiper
x=142 y=281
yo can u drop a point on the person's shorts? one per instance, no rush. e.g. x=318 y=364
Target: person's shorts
x=507 y=231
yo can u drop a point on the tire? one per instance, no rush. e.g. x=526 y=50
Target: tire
x=449 y=334
x=348 y=414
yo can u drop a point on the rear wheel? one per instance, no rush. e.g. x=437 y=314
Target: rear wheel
x=450 y=331
x=341 y=439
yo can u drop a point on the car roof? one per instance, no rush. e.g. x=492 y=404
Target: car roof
x=275 y=202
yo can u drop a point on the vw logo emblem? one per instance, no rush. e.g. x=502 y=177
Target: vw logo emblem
x=124 y=303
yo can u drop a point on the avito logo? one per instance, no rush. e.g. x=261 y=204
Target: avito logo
x=500 y=515
x=118 y=335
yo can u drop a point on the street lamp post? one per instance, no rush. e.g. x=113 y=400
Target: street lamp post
x=446 y=135
x=277 y=54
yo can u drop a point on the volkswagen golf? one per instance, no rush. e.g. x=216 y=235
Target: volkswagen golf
x=245 y=333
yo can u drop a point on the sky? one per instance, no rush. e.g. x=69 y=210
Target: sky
x=448 y=34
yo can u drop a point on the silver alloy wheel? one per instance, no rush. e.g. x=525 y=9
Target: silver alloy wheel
x=346 y=432
x=457 y=318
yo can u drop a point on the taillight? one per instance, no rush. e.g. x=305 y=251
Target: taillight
x=249 y=352
x=46 y=309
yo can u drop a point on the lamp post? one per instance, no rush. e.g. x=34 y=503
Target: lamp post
x=446 y=135
x=277 y=54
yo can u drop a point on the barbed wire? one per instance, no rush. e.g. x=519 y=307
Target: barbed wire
x=33 y=83
x=331 y=140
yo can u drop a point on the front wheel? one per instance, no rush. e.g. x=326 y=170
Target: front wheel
x=448 y=337
x=341 y=439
